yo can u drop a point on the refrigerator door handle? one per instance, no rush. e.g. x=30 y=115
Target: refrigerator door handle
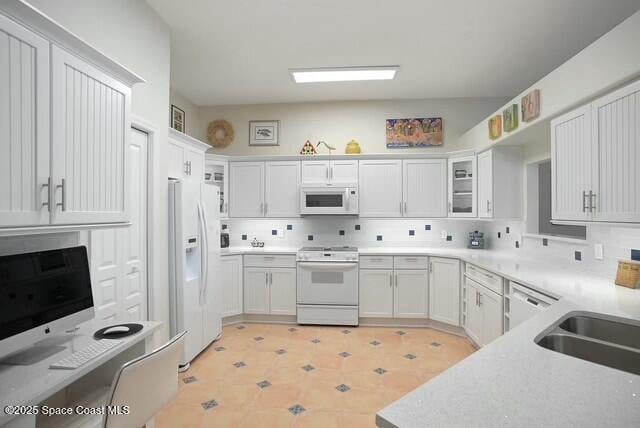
x=205 y=250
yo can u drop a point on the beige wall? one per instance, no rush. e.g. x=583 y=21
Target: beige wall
x=338 y=122
x=130 y=32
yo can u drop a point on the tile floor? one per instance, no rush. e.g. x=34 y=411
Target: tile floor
x=267 y=375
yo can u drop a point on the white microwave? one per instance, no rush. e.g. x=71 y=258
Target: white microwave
x=335 y=200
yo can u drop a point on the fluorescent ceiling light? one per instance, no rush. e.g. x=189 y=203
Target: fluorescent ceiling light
x=343 y=74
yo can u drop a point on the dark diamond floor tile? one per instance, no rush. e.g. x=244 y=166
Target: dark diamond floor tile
x=400 y=333
x=344 y=354
x=220 y=349
x=316 y=341
x=258 y=338
x=263 y=384
x=296 y=409
x=240 y=327
x=190 y=379
x=380 y=371
x=281 y=351
x=346 y=331
x=292 y=329
x=239 y=364
x=343 y=388
x=374 y=343
x=209 y=404
x=308 y=368
x=436 y=344
x=410 y=357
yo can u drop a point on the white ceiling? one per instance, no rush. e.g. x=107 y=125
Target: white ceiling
x=239 y=51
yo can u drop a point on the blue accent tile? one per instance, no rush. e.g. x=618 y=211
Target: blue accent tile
x=635 y=254
x=507 y=229
x=341 y=232
x=577 y=255
x=310 y=237
x=378 y=237
x=289 y=227
x=224 y=226
x=449 y=238
x=244 y=237
x=427 y=227
x=357 y=227
x=274 y=232
x=517 y=244
x=545 y=242
x=412 y=232
x=296 y=409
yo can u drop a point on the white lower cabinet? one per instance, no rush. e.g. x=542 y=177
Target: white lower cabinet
x=411 y=293
x=231 y=273
x=376 y=293
x=444 y=290
x=270 y=290
x=484 y=313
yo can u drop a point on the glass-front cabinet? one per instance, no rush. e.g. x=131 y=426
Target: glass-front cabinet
x=462 y=187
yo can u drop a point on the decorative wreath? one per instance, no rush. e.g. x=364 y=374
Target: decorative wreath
x=220 y=133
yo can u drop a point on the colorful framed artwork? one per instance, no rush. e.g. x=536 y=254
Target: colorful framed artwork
x=495 y=127
x=530 y=105
x=264 y=132
x=416 y=132
x=510 y=118
x=177 y=118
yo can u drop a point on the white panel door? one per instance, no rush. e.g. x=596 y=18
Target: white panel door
x=380 y=188
x=246 y=197
x=411 y=293
x=474 y=318
x=315 y=172
x=492 y=315
x=616 y=132
x=444 y=290
x=256 y=290
x=282 y=291
x=90 y=143
x=376 y=293
x=573 y=172
x=119 y=256
x=282 y=189
x=24 y=126
x=343 y=171
x=485 y=184
x=425 y=187
x=231 y=278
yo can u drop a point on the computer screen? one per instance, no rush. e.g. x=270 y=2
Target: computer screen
x=42 y=287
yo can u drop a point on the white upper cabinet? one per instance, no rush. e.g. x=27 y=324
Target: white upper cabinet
x=282 y=189
x=185 y=157
x=380 y=183
x=616 y=134
x=326 y=173
x=247 y=189
x=24 y=126
x=65 y=126
x=572 y=165
x=500 y=183
x=217 y=172
x=462 y=187
x=424 y=187
x=444 y=290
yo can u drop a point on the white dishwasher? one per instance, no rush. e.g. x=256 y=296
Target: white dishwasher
x=525 y=303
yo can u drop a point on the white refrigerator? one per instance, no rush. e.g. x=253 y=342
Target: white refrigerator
x=194 y=264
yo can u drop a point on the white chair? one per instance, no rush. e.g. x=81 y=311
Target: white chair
x=144 y=385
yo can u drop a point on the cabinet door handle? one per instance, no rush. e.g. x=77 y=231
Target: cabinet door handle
x=396 y=280
x=47 y=185
x=584 y=201
x=400 y=207
x=266 y=278
x=592 y=197
x=271 y=278
x=327 y=173
x=479 y=299
x=431 y=267
x=405 y=207
x=63 y=202
x=391 y=280
x=331 y=173
x=265 y=208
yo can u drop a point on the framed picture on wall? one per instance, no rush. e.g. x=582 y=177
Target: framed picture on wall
x=264 y=132
x=177 y=118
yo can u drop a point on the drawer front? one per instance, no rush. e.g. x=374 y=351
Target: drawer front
x=490 y=280
x=252 y=260
x=410 y=262
x=376 y=262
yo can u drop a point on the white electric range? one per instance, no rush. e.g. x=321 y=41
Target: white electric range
x=327 y=285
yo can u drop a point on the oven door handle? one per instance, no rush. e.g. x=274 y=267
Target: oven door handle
x=328 y=266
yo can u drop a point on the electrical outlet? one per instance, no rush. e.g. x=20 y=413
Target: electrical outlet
x=598 y=250
x=443 y=235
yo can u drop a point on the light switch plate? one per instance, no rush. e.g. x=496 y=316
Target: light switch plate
x=443 y=235
x=598 y=250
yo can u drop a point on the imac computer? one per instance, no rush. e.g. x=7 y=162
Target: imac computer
x=42 y=293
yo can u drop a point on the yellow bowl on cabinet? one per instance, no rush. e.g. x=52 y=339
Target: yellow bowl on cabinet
x=353 y=148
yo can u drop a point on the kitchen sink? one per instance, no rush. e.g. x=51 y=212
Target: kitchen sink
x=610 y=331
x=611 y=342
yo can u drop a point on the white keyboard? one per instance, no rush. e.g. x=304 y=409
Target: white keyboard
x=85 y=355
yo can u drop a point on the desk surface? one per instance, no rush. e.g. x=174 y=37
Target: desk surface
x=32 y=384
